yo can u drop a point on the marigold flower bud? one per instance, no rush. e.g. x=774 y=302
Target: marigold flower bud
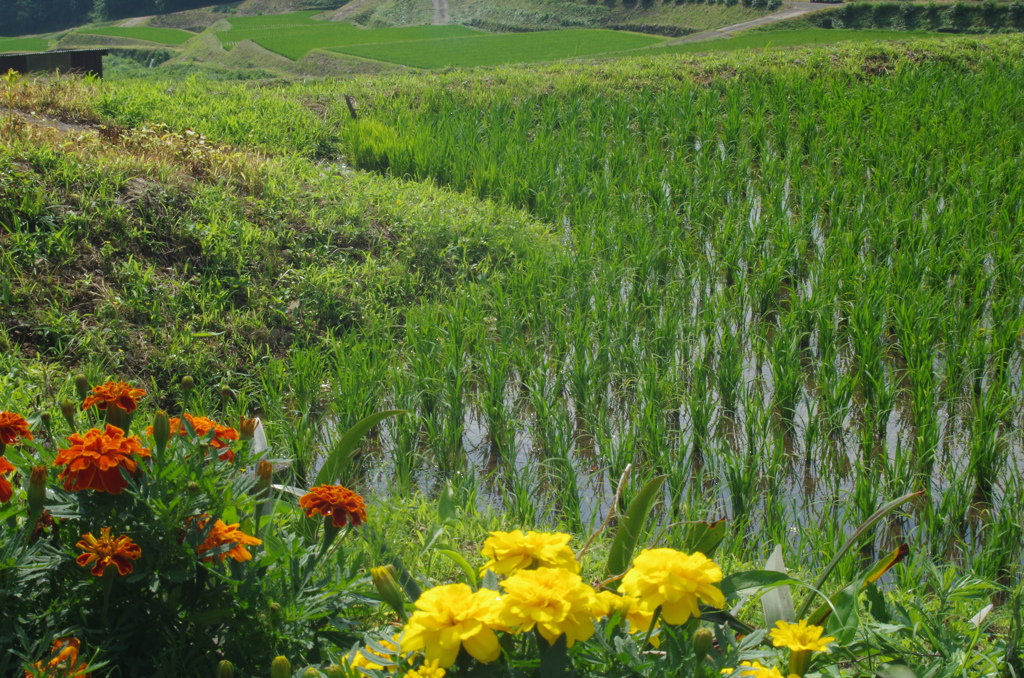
x=335 y=671
x=280 y=668
x=225 y=393
x=225 y=669
x=67 y=410
x=46 y=419
x=703 y=639
x=193 y=487
x=161 y=431
x=311 y=672
x=82 y=386
x=264 y=474
x=387 y=586
x=187 y=384
x=247 y=428
x=37 y=489
x=264 y=470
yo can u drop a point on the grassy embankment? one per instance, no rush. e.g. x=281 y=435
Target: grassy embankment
x=800 y=37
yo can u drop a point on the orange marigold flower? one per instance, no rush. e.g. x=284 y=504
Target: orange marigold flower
x=94 y=461
x=6 y=489
x=222 y=534
x=13 y=427
x=202 y=426
x=107 y=550
x=117 y=392
x=62 y=662
x=341 y=503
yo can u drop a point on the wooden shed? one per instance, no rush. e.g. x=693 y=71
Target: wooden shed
x=86 y=61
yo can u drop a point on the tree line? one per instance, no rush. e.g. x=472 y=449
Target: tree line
x=24 y=17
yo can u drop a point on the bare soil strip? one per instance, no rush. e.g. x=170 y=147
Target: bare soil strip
x=39 y=121
x=789 y=10
x=440 y=12
x=348 y=10
x=134 y=21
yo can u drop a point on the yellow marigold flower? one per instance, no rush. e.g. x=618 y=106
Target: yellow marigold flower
x=454 y=616
x=117 y=393
x=675 y=582
x=428 y=670
x=753 y=669
x=511 y=551
x=554 y=600
x=364 y=658
x=222 y=534
x=800 y=636
x=106 y=551
x=361 y=661
x=609 y=602
x=637 y=617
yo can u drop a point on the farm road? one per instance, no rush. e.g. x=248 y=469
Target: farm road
x=440 y=12
x=790 y=10
x=348 y=10
x=135 y=21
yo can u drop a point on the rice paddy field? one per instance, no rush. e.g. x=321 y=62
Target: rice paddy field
x=24 y=44
x=495 y=49
x=294 y=35
x=760 y=294
x=164 y=36
x=787 y=282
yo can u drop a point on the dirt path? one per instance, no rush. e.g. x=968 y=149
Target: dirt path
x=789 y=10
x=348 y=10
x=440 y=12
x=135 y=21
x=41 y=121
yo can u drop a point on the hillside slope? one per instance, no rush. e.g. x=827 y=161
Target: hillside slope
x=167 y=254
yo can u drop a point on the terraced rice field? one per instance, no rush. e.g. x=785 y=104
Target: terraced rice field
x=24 y=44
x=164 y=36
x=294 y=35
x=490 y=50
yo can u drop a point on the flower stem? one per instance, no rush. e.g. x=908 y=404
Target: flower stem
x=654 y=623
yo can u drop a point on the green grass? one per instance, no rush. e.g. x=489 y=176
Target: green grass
x=164 y=36
x=791 y=38
x=294 y=38
x=490 y=50
x=24 y=44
